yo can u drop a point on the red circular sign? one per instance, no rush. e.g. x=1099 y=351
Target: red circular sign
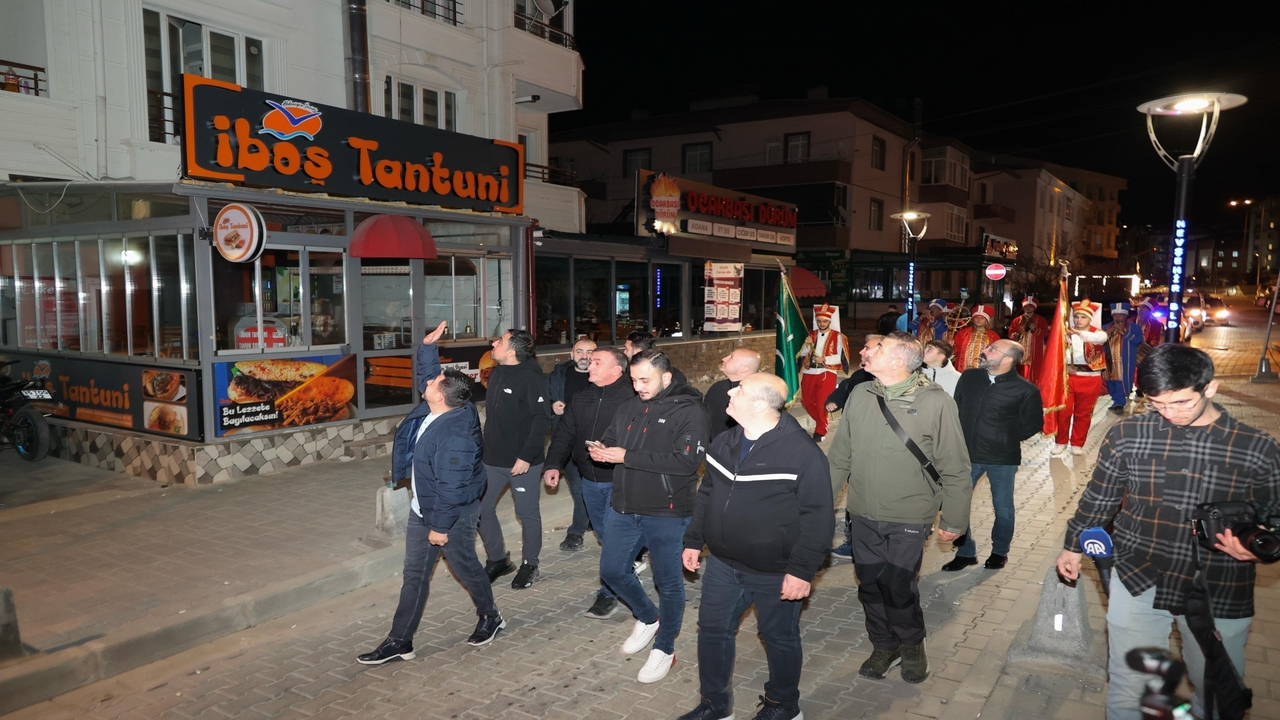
x=996 y=272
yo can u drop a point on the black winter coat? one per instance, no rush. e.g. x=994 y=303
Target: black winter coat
x=665 y=439
x=997 y=416
x=586 y=417
x=517 y=415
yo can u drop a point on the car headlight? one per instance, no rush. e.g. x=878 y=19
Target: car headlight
x=1221 y=314
x=1194 y=313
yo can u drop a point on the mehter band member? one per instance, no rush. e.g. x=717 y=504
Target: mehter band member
x=824 y=353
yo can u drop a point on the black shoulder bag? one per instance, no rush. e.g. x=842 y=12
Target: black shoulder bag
x=1223 y=688
x=925 y=462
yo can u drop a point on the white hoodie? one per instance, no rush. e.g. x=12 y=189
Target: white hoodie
x=947 y=376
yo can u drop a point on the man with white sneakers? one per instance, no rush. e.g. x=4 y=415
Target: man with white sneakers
x=777 y=478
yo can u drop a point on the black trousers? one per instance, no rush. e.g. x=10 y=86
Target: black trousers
x=887 y=557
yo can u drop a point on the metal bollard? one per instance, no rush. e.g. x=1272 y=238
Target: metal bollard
x=10 y=640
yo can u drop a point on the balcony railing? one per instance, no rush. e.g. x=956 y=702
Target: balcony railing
x=447 y=11
x=164 y=117
x=545 y=31
x=552 y=175
x=23 y=79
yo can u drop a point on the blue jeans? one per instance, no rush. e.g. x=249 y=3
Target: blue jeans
x=665 y=538
x=726 y=595
x=420 y=559
x=1134 y=622
x=578 y=526
x=1001 y=479
x=595 y=496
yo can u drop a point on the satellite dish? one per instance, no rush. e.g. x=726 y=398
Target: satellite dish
x=547 y=8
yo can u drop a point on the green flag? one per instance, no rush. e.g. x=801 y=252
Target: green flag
x=790 y=337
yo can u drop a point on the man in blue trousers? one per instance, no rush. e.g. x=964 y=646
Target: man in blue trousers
x=1121 y=350
x=438 y=446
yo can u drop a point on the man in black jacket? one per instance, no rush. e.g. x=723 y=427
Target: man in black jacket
x=738 y=364
x=517 y=417
x=766 y=544
x=998 y=410
x=585 y=419
x=659 y=439
x=638 y=342
x=565 y=380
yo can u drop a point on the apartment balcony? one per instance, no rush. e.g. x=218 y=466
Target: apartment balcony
x=949 y=194
x=164 y=117
x=446 y=11
x=995 y=211
x=545 y=64
x=23 y=79
x=552 y=175
x=544 y=31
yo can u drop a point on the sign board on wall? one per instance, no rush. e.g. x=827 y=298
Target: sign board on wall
x=239 y=233
x=673 y=206
x=722 y=310
x=159 y=400
x=259 y=394
x=233 y=134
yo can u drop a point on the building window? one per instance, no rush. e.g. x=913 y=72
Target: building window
x=956 y=224
x=414 y=103
x=841 y=203
x=1067 y=212
x=443 y=10
x=173 y=46
x=636 y=160
x=796 y=147
x=877 y=152
x=946 y=166
x=773 y=152
x=697 y=158
x=876 y=215
x=1235 y=253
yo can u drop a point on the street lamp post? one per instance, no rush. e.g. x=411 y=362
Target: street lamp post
x=1208 y=106
x=1244 y=242
x=913 y=240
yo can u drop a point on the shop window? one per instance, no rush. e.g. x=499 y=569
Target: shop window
x=328 y=299
x=877 y=152
x=631 y=297
x=386 y=305
x=636 y=160
x=67 y=296
x=388 y=381
x=466 y=289
x=143 y=206
x=796 y=146
x=668 y=302
x=499 y=292
x=281 y=290
x=81 y=207
x=752 y=299
x=697 y=158
x=190 y=316
x=551 y=288
x=137 y=261
x=24 y=289
x=45 y=296
x=439 y=292
x=115 y=318
x=772 y=283
x=592 y=300
x=91 y=294
x=169 y=295
x=8 y=299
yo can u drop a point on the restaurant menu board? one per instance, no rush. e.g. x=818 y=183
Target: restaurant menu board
x=148 y=399
x=260 y=394
x=723 y=301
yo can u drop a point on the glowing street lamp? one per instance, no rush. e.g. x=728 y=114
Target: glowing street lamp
x=921 y=219
x=1208 y=105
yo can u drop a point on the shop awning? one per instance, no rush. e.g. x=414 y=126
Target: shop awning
x=392 y=236
x=805 y=284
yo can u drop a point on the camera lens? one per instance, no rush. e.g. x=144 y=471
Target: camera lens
x=1263 y=543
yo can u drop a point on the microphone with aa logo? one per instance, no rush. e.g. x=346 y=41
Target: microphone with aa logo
x=1096 y=543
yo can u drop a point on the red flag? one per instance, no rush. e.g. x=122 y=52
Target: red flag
x=1053 y=371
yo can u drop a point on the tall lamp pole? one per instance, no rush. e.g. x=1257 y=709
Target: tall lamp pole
x=913 y=240
x=1208 y=106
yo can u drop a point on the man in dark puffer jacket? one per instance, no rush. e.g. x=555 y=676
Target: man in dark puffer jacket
x=765 y=512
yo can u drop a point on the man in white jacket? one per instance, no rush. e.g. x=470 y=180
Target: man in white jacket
x=938 y=366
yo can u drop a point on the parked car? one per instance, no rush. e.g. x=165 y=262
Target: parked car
x=1216 y=311
x=1193 y=308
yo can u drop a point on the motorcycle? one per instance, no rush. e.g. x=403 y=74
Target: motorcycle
x=22 y=426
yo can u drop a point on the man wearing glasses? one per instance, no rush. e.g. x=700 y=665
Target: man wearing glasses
x=1153 y=470
x=998 y=410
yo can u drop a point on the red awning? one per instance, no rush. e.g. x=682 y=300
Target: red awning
x=806 y=284
x=392 y=236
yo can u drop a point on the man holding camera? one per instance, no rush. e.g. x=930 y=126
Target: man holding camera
x=1164 y=466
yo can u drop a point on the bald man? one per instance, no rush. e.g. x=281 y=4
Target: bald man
x=779 y=479
x=735 y=366
x=999 y=409
x=565 y=380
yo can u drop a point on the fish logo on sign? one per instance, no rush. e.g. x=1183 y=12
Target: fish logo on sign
x=291 y=119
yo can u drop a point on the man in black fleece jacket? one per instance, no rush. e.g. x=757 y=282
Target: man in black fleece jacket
x=517 y=417
x=765 y=512
x=659 y=439
x=586 y=417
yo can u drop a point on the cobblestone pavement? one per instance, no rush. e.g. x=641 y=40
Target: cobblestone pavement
x=551 y=662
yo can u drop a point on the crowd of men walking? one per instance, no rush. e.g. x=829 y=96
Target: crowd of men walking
x=657 y=470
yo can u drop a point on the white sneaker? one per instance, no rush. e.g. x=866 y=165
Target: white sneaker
x=1077 y=451
x=657 y=667
x=640 y=638
x=1059 y=450
x=640 y=566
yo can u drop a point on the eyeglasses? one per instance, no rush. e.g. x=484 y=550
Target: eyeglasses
x=1176 y=405
x=994 y=349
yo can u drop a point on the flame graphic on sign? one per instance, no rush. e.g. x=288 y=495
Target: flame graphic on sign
x=291 y=119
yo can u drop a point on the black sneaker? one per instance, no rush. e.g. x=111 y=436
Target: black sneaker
x=388 y=651
x=486 y=630
x=879 y=663
x=705 y=711
x=497 y=568
x=603 y=608
x=572 y=542
x=915 y=663
x=816 y=438
x=770 y=710
x=527 y=576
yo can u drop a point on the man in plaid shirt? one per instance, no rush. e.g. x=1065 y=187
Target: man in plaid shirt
x=1162 y=465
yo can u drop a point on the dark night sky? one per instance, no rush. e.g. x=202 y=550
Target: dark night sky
x=1058 y=81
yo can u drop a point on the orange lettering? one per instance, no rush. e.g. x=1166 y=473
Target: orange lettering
x=439 y=175
x=504 y=193
x=487 y=187
x=253 y=152
x=317 y=167
x=464 y=184
x=417 y=176
x=388 y=173
x=286 y=158
x=366 y=168
x=224 y=155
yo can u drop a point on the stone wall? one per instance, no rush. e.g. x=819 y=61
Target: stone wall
x=698 y=359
